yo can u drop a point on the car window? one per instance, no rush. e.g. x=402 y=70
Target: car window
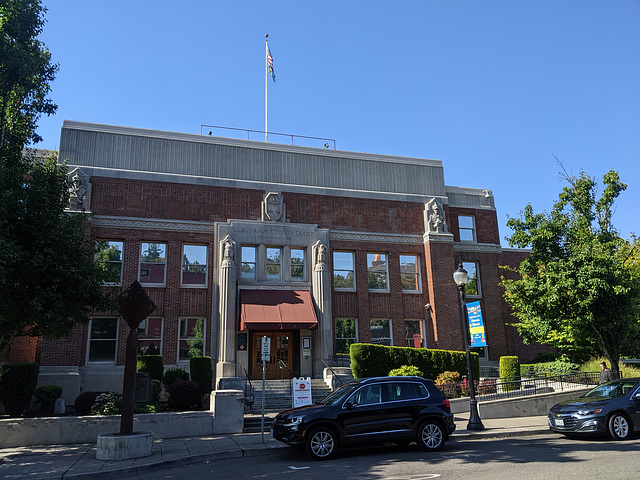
x=338 y=394
x=611 y=390
x=406 y=391
x=367 y=395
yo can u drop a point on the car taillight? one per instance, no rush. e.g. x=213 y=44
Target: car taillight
x=446 y=403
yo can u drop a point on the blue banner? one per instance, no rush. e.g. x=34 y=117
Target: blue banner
x=476 y=325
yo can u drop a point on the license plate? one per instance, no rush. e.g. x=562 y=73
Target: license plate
x=559 y=422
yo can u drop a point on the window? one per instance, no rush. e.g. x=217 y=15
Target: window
x=150 y=336
x=377 y=271
x=103 y=338
x=297 y=264
x=153 y=262
x=191 y=338
x=273 y=263
x=405 y=391
x=381 y=331
x=343 y=271
x=466 y=227
x=194 y=265
x=109 y=258
x=410 y=273
x=346 y=334
x=413 y=333
x=472 y=289
x=248 y=267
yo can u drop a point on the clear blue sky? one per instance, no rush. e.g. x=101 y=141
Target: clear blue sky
x=492 y=88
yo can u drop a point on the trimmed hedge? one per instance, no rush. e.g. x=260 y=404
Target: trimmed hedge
x=18 y=384
x=201 y=371
x=368 y=360
x=151 y=364
x=510 y=372
x=173 y=375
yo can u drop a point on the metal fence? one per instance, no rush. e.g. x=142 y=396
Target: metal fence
x=499 y=388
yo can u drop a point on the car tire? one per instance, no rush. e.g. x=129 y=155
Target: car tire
x=430 y=436
x=619 y=426
x=322 y=443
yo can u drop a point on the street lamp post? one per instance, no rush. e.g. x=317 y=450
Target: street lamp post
x=461 y=277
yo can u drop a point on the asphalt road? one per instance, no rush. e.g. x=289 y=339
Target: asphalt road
x=545 y=457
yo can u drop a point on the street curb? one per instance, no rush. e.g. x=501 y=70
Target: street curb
x=504 y=434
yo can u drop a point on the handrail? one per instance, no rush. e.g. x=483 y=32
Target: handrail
x=333 y=373
x=248 y=396
x=249 y=131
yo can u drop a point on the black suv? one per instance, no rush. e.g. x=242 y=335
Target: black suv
x=380 y=409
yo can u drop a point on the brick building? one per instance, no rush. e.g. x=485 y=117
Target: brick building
x=235 y=240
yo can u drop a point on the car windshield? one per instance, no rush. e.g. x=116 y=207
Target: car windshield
x=338 y=394
x=611 y=390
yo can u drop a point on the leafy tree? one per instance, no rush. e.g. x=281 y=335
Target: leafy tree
x=48 y=279
x=579 y=290
x=26 y=72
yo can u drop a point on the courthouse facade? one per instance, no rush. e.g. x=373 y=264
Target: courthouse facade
x=235 y=240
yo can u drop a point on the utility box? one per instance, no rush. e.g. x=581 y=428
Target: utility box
x=228 y=411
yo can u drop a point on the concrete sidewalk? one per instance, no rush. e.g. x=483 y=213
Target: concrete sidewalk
x=78 y=461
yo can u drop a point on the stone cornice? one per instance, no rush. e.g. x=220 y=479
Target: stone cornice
x=150 y=224
x=477 y=247
x=375 y=237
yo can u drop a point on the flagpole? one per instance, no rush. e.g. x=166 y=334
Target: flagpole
x=266 y=87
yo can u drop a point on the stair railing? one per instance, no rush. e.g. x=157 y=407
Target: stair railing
x=249 y=396
x=334 y=375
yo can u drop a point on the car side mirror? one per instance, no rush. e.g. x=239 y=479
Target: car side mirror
x=349 y=405
x=636 y=396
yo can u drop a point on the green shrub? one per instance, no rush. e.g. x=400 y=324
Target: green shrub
x=202 y=373
x=145 y=408
x=368 y=360
x=448 y=377
x=84 y=402
x=156 y=388
x=184 y=395
x=545 y=356
x=109 y=403
x=152 y=364
x=510 y=372
x=557 y=367
x=173 y=375
x=47 y=394
x=449 y=384
x=18 y=384
x=406 y=371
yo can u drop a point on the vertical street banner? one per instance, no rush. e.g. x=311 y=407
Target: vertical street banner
x=476 y=325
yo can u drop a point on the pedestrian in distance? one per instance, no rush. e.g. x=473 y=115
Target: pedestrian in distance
x=605 y=374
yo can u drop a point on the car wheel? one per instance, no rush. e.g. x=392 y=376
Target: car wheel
x=322 y=443
x=430 y=436
x=619 y=426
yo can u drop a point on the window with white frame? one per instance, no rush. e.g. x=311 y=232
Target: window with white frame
x=150 y=336
x=466 y=228
x=410 y=273
x=472 y=289
x=297 y=264
x=194 y=265
x=109 y=258
x=191 y=341
x=377 y=271
x=381 y=331
x=274 y=270
x=344 y=271
x=103 y=340
x=153 y=264
x=346 y=334
x=248 y=267
x=414 y=333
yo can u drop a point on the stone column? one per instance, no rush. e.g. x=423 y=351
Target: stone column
x=227 y=310
x=322 y=297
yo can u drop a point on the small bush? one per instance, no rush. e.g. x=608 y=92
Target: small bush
x=173 y=375
x=510 y=373
x=557 y=367
x=448 y=377
x=487 y=386
x=406 y=371
x=184 y=395
x=202 y=373
x=109 y=403
x=145 y=408
x=449 y=384
x=84 y=402
x=152 y=364
x=47 y=394
x=18 y=384
x=156 y=388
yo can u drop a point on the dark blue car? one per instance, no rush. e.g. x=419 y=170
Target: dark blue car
x=612 y=408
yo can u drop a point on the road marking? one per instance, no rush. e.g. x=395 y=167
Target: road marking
x=297 y=468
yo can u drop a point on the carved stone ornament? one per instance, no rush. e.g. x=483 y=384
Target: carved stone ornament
x=320 y=250
x=79 y=191
x=434 y=217
x=228 y=251
x=273 y=208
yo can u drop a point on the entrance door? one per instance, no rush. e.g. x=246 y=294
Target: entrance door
x=279 y=365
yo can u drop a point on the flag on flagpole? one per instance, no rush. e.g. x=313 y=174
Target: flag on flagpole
x=270 y=64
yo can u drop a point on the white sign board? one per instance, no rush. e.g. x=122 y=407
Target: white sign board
x=301 y=391
x=266 y=349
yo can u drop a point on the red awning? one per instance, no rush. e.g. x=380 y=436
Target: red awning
x=276 y=310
